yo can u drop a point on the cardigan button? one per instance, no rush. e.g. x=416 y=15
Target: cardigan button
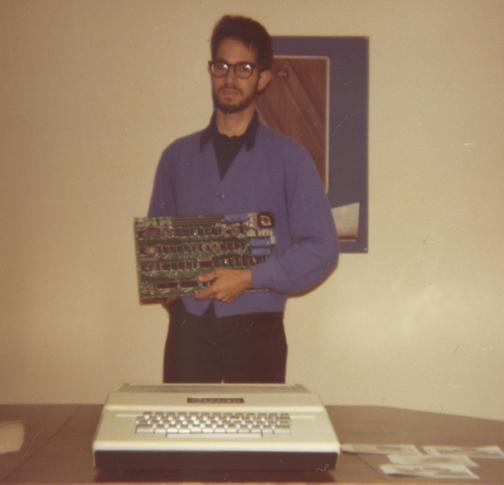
x=222 y=196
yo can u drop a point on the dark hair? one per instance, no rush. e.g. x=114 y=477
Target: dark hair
x=248 y=31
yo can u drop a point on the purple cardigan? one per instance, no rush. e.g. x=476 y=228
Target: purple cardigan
x=276 y=175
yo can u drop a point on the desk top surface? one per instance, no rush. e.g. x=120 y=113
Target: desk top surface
x=58 y=438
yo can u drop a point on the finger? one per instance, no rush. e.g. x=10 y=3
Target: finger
x=207 y=294
x=201 y=295
x=211 y=275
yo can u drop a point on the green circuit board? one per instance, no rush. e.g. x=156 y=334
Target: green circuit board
x=172 y=251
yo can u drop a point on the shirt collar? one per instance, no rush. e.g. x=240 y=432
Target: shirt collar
x=210 y=132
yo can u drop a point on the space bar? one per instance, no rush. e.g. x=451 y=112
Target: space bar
x=213 y=435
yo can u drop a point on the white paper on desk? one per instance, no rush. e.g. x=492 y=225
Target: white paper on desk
x=381 y=449
x=455 y=472
x=472 y=451
x=11 y=436
x=431 y=460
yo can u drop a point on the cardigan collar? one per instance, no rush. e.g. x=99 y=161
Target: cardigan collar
x=211 y=132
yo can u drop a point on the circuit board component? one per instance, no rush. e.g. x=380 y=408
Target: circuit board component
x=172 y=251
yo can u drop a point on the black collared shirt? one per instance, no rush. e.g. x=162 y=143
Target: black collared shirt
x=227 y=147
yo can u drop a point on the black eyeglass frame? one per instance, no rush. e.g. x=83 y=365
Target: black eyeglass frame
x=228 y=65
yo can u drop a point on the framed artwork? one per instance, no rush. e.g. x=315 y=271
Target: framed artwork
x=319 y=96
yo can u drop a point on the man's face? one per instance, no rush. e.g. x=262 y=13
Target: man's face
x=230 y=93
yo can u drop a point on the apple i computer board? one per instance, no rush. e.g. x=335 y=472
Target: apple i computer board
x=172 y=251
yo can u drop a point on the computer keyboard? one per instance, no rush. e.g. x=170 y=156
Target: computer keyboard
x=210 y=424
x=214 y=427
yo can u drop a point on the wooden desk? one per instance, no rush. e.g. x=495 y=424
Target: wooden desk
x=58 y=439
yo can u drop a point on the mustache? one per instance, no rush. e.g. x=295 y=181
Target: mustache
x=230 y=86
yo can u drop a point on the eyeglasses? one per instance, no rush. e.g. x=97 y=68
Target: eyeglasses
x=242 y=70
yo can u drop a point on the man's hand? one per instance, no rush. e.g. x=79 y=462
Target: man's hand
x=226 y=284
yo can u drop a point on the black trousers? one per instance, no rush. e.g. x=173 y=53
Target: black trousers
x=241 y=348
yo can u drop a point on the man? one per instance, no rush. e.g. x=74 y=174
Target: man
x=237 y=165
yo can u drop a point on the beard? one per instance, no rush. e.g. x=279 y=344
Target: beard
x=228 y=108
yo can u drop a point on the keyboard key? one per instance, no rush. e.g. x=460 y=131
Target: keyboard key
x=221 y=424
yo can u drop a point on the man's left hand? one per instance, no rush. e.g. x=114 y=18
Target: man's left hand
x=226 y=284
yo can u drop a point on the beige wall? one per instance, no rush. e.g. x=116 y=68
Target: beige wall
x=92 y=91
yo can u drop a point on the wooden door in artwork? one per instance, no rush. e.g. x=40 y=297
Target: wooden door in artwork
x=297 y=103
